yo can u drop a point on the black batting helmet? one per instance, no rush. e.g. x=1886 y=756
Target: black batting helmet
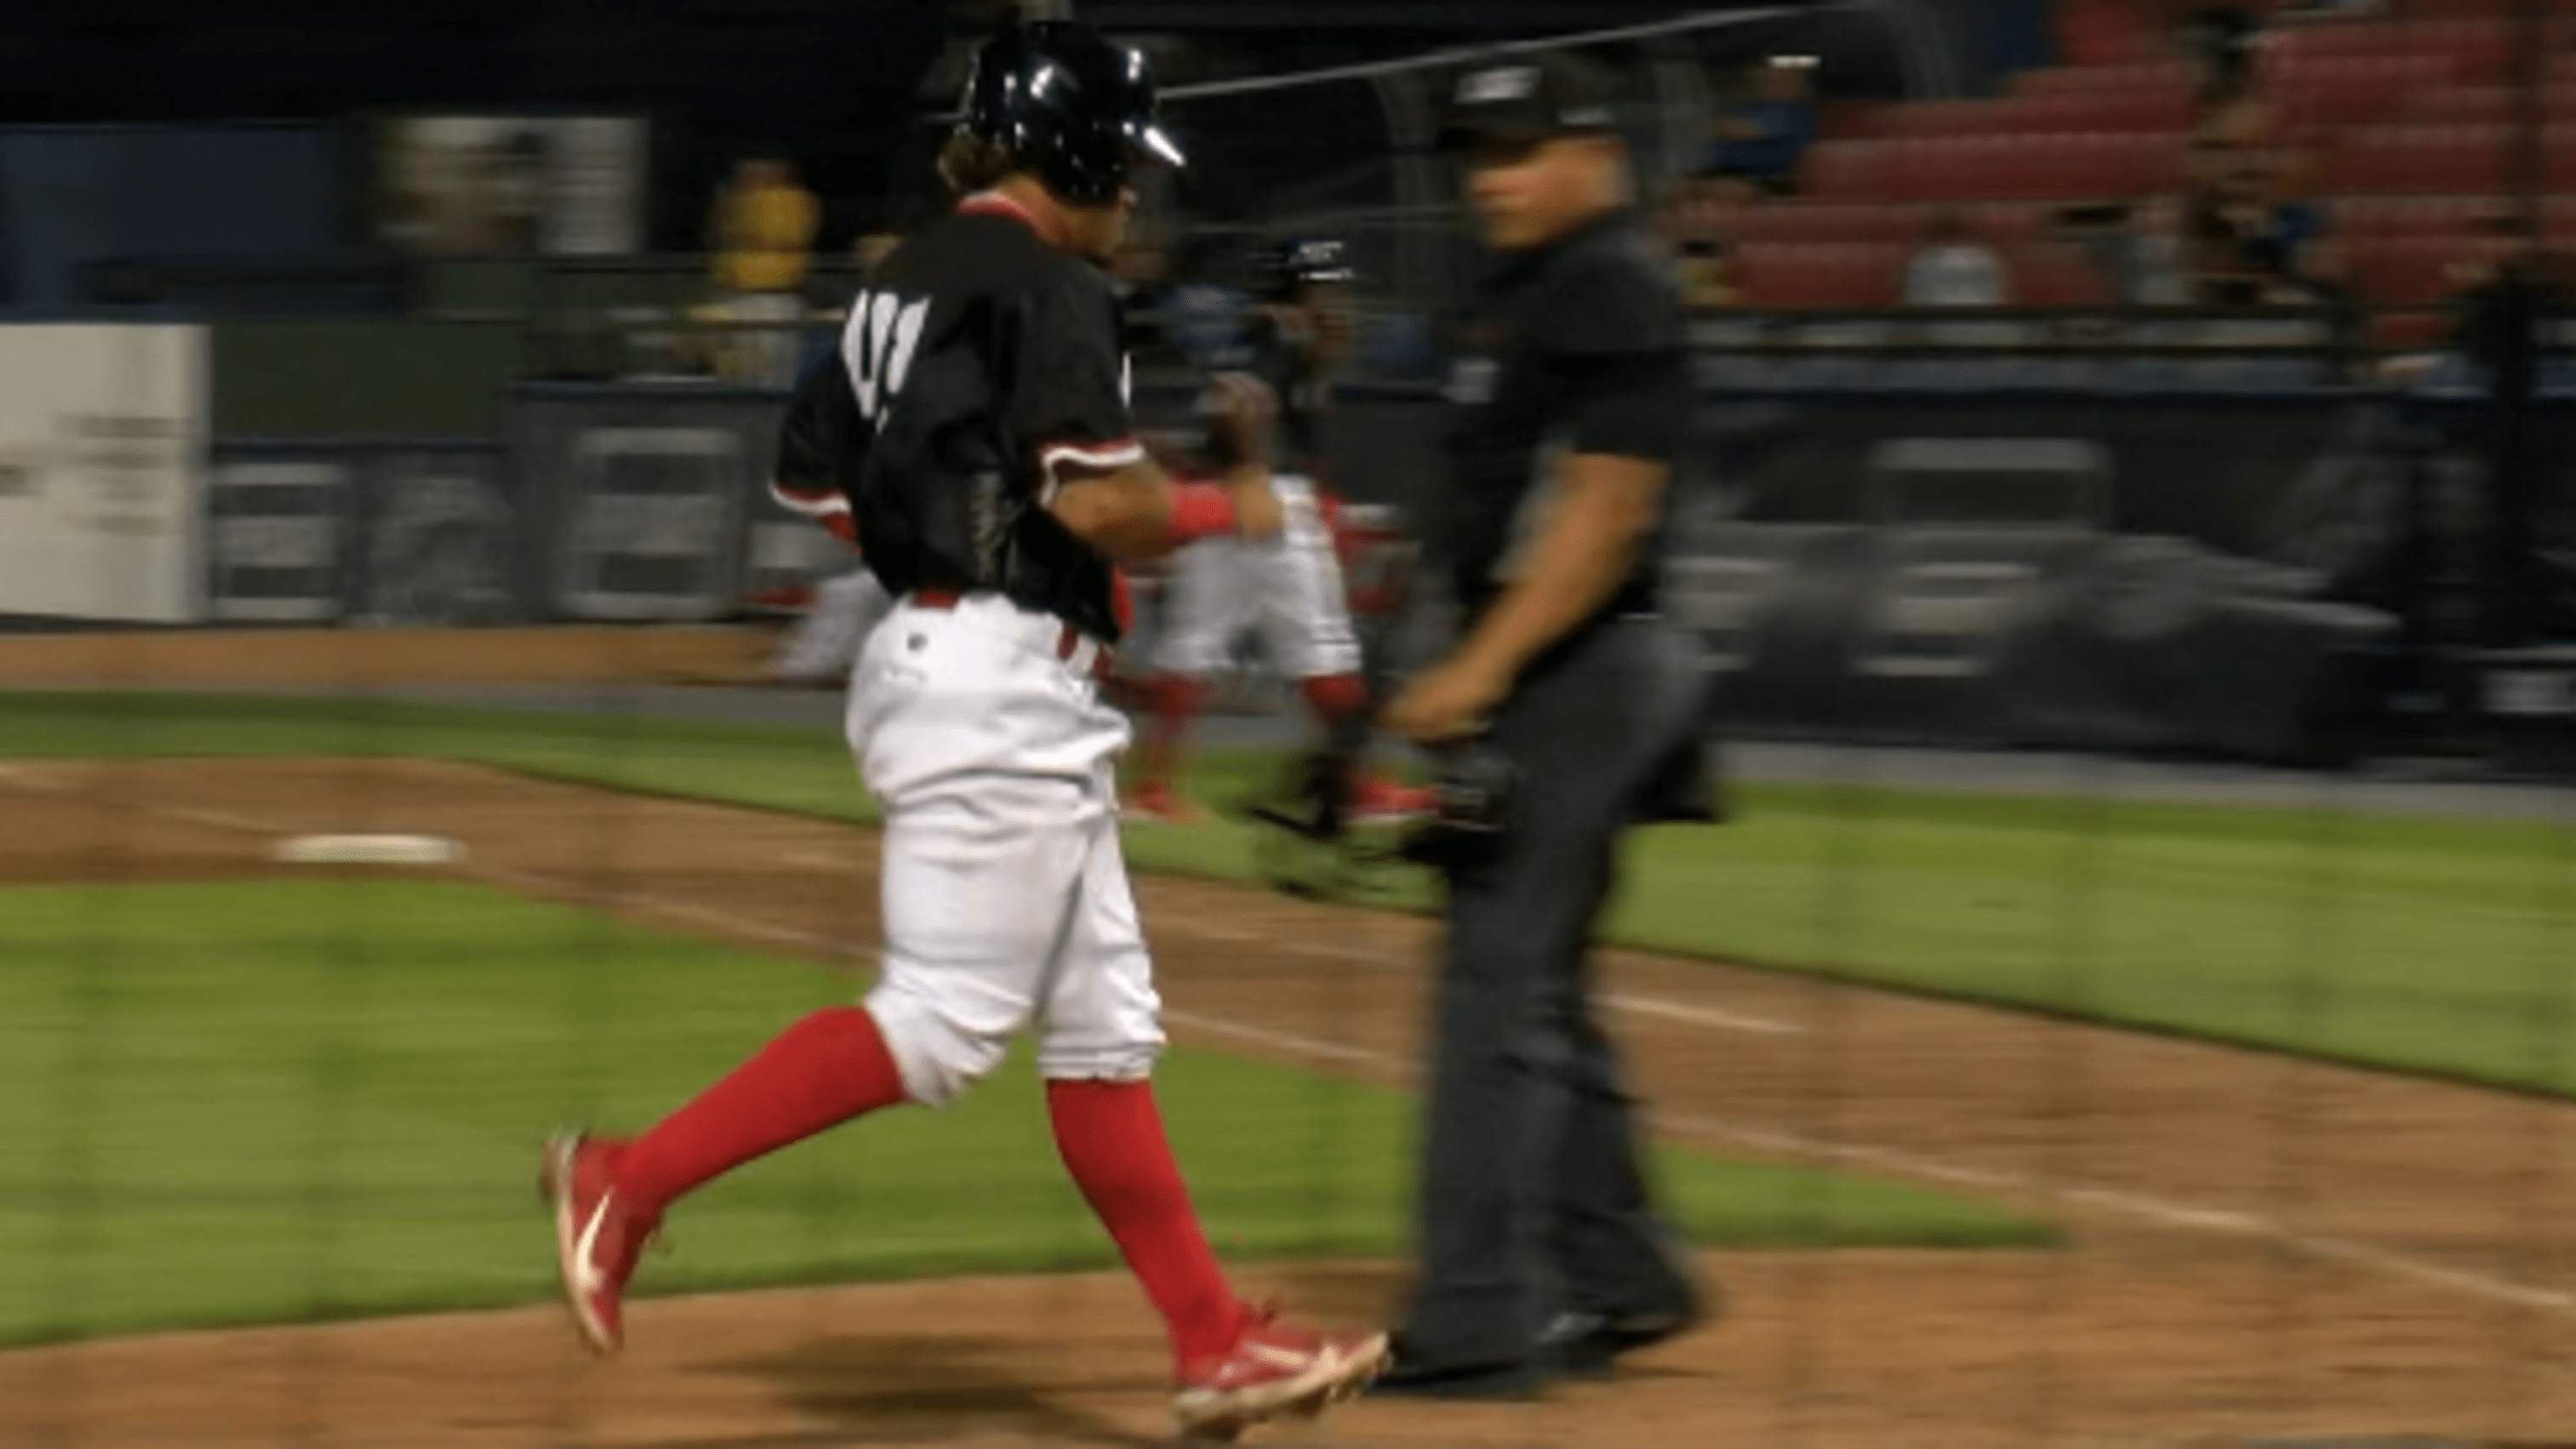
x=1067 y=104
x=1286 y=268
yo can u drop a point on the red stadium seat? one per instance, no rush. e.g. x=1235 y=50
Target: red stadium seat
x=2360 y=217
x=2053 y=274
x=1949 y=118
x=2401 y=158
x=1846 y=168
x=1821 y=275
x=2142 y=108
x=2094 y=79
x=2407 y=271
x=2343 y=90
x=2488 y=105
x=2410 y=331
x=1823 y=221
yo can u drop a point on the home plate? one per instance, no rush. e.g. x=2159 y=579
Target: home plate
x=367 y=850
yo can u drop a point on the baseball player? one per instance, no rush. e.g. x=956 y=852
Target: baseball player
x=974 y=432
x=1290 y=589
x=824 y=645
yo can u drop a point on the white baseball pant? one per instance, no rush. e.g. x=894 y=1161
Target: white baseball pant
x=1288 y=588
x=825 y=643
x=1005 y=891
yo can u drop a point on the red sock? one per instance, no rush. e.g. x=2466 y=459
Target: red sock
x=1111 y=1139
x=1178 y=698
x=823 y=1071
x=1334 y=697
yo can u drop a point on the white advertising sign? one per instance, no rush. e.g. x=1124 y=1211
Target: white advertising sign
x=102 y=462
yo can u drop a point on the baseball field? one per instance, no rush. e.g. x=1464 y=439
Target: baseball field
x=2086 y=1117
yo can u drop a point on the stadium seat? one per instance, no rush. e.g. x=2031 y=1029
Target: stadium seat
x=2054 y=274
x=1823 y=221
x=2467 y=48
x=1854 y=168
x=2345 y=90
x=2488 y=105
x=2410 y=331
x=2402 y=158
x=2406 y=271
x=2165 y=75
x=2136 y=108
x=1821 y=275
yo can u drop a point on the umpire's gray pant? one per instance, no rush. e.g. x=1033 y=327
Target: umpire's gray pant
x=1532 y=1200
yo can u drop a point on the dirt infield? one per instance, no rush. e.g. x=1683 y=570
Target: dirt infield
x=2264 y=1250
x=346 y=658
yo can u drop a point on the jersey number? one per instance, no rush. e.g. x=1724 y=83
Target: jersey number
x=878 y=345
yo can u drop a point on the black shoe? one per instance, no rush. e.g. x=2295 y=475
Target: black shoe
x=1588 y=1345
x=1409 y=1376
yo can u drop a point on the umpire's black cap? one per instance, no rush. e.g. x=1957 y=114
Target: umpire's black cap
x=1072 y=106
x=1516 y=102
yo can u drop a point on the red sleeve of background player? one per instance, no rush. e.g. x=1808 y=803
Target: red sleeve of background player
x=1122 y=606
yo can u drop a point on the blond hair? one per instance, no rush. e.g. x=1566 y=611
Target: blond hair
x=970 y=163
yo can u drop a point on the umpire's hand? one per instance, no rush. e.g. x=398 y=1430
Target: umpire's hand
x=1450 y=701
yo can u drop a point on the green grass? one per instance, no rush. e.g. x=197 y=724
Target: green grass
x=257 y=1103
x=2424 y=945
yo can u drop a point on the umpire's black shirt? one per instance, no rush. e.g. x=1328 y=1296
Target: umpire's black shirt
x=1574 y=347
x=978 y=364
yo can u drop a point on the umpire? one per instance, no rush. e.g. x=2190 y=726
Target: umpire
x=1569 y=406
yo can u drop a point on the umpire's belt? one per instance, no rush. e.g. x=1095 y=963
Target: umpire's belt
x=1085 y=654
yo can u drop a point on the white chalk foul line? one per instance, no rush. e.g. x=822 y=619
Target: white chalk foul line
x=1282 y=938
x=2108 y=1201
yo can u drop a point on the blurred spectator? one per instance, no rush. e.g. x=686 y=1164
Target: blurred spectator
x=1764 y=138
x=1141 y=271
x=872 y=248
x=1697 y=226
x=1953 y=269
x=762 y=229
x=2298 y=223
x=2219 y=42
x=2154 y=259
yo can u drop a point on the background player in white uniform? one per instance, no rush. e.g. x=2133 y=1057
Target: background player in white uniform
x=823 y=646
x=1288 y=591
x=973 y=432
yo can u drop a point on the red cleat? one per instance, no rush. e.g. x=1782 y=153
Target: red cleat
x=597 y=1241
x=1159 y=803
x=1273 y=1370
x=1376 y=800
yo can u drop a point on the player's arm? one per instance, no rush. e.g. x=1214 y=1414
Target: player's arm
x=1137 y=511
x=821 y=447
x=1099 y=482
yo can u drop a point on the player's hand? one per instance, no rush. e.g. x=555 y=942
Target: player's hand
x=1258 y=514
x=1245 y=409
x=1449 y=701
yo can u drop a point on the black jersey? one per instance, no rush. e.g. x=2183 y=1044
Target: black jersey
x=1574 y=348
x=978 y=363
x=1302 y=392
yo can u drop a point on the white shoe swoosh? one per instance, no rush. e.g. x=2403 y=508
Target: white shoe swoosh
x=586 y=1277
x=1280 y=1358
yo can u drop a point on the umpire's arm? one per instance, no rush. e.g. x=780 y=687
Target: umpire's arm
x=1603 y=508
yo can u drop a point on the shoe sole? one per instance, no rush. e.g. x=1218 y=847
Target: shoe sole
x=554 y=1184
x=1389 y=817
x=1307 y=1396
